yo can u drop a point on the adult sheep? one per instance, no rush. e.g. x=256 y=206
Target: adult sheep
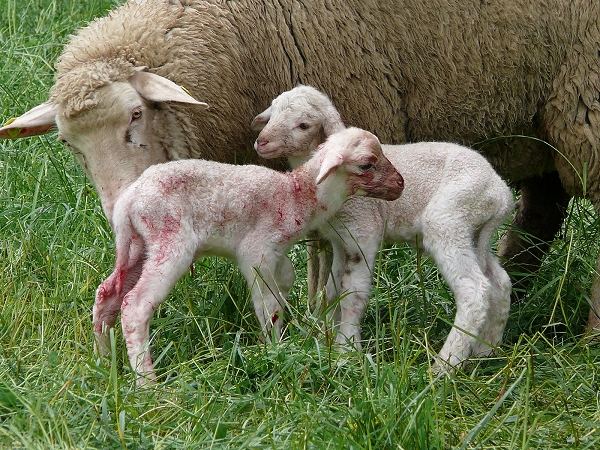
x=453 y=70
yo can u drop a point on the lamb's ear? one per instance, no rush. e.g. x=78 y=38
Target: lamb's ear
x=36 y=121
x=330 y=163
x=261 y=120
x=332 y=122
x=159 y=89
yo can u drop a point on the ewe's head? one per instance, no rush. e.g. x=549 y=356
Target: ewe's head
x=295 y=124
x=354 y=157
x=109 y=121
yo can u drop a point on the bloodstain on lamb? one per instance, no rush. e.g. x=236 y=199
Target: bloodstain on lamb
x=121 y=276
x=162 y=231
x=294 y=205
x=174 y=183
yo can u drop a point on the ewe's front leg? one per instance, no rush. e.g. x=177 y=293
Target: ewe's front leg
x=593 y=324
x=541 y=211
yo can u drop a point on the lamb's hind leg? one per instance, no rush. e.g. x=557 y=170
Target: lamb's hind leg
x=457 y=261
x=159 y=274
x=110 y=293
x=499 y=306
x=501 y=286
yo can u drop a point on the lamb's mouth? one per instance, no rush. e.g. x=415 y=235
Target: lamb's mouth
x=273 y=153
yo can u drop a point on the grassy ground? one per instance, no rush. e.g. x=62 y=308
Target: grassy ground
x=218 y=387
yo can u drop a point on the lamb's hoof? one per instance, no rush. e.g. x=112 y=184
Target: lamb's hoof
x=446 y=367
x=592 y=334
x=102 y=345
x=146 y=381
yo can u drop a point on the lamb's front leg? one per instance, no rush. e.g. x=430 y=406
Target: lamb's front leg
x=355 y=234
x=270 y=278
x=356 y=283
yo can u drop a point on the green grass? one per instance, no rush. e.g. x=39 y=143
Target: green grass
x=219 y=388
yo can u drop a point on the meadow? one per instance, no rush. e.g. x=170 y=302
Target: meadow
x=218 y=387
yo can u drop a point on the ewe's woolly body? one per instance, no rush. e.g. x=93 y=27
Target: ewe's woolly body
x=458 y=71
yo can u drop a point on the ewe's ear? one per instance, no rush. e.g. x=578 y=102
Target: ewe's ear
x=36 y=121
x=159 y=89
x=261 y=120
x=331 y=162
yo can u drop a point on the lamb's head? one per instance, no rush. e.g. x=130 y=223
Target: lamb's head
x=109 y=125
x=354 y=157
x=295 y=124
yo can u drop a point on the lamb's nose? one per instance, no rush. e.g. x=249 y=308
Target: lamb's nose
x=400 y=181
x=261 y=142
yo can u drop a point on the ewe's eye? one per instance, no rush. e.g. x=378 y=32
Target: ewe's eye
x=136 y=114
x=304 y=126
x=365 y=167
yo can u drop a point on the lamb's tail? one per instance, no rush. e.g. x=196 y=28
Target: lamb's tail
x=504 y=206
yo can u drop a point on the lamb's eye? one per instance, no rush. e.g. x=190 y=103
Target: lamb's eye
x=365 y=167
x=136 y=114
x=304 y=126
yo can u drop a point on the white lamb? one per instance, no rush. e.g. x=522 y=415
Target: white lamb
x=453 y=200
x=178 y=211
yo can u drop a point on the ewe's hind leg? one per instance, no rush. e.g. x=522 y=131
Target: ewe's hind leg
x=109 y=297
x=159 y=275
x=269 y=280
x=457 y=261
x=571 y=121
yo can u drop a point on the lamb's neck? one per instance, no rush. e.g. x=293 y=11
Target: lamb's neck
x=329 y=195
x=295 y=161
